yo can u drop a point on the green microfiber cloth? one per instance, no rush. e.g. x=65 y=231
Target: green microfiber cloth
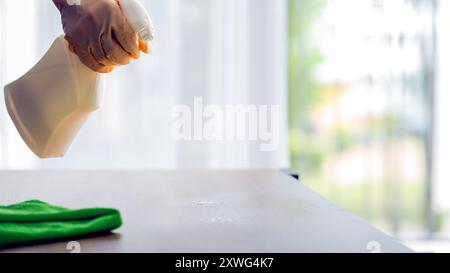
x=35 y=221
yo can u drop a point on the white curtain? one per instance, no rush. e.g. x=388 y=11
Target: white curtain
x=226 y=52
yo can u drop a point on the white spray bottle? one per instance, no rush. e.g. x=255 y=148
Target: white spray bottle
x=51 y=102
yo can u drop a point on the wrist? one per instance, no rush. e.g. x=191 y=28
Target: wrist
x=60 y=4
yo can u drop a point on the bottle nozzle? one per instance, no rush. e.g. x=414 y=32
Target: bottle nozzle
x=138 y=19
x=146 y=35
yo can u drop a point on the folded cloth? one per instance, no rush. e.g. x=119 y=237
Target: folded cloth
x=35 y=221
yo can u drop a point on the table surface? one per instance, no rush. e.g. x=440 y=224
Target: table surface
x=199 y=211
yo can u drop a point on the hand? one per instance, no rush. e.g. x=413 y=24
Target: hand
x=98 y=32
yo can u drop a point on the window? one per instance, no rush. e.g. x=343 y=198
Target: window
x=363 y=108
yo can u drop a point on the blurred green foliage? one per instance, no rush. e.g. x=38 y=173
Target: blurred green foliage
x=304 y=57
x=303 y=89
x=387 y=202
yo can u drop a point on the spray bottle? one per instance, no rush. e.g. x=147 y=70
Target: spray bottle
x=52 y=101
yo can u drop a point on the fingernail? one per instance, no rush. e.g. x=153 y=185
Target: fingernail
x=143 y=46
x=109 y=69
x=136 y=56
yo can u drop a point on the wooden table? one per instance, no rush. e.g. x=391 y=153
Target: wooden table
x=200 y=211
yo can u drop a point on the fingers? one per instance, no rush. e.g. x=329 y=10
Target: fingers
x=100 y=35
x=127 y=39
x=100 y=56
x=106 y=69
x=114 y=51
x=87 y=58
x=143 y=46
